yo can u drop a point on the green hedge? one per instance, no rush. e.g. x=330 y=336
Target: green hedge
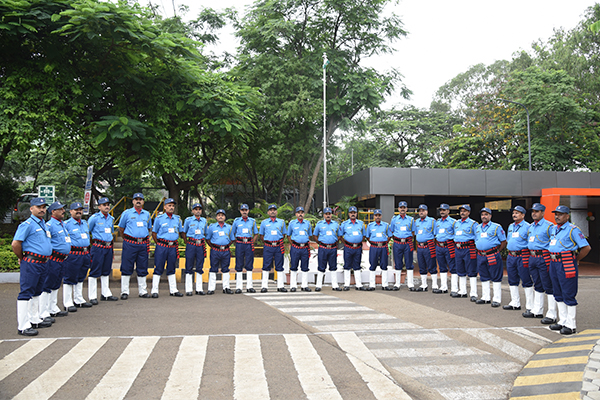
x=8 y=260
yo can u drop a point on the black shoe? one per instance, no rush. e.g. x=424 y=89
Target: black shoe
x=346 y=288
x=60 y=314
x=305 y=289
x=227 y=291
x=567 y=331
x=529 y=314
x=548 y=321
x=556 y=327
x=189 y=293
x=509 y=307
x=292 y=289
x=154 y=295
x=238 y=291
x=210 y=292
x=396 y=288
x=370 y=289
x=71 y=309
x=412 y=289
x=317 y=289
x=110 y=298
x=49 y=319
x=42 y=324
x=495 y=304
x=94 y=302
x=28 y=332
x=124 y=296
x=436 y=291
x=473 y=299
x=83 y=305
x=337 y=289
x=146 y=295
x=361 y=288
x=199 y=292
x=421 y=289
x=176 y=294
x=282 y=289
x=251 y=290
x=482 y=301
x=264 y=290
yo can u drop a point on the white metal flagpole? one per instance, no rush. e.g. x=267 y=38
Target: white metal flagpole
x=325 y=62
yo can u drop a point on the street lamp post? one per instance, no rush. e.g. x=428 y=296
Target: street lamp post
x=528 y=132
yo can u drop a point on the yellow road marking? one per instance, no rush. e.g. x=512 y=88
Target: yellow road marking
x=549 y=378
x=578 y=339
x=557 y=361
x=553 y=350
x=557 y=396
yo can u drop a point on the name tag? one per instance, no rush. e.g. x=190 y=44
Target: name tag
x=301 y=233
x=442 y=230
x=171 y=230
x=67 y=239
x=354 y=233
x=328 y=232
x=403 y=228
x=273 y=233
x=483 y=234
x=515 y=234
x=531 y=238
x=84 y=236
x=244 y=230
x=378 y=234
x=140 y=223
x=420 y=231
x=221 y=233
x=458 y=233
x=553 y=242
x=107 y=230
x=197 y=231
x=48 y=234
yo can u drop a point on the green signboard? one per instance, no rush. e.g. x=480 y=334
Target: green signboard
x=48 y=193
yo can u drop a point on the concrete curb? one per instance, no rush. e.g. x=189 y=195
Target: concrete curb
x=9 y=277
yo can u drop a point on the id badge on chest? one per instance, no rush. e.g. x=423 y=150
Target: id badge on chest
x=459 y=233
x=402 y=228
x=171 y=230
x=420 y=231
x=197 y=232
x=442 y=230
x=48 y=234
x=107 y=230
x=140 y=224
x=84 y=236
x=553 y=242
x=531 y=238
x=221 y=233
x=484 y=234
x=515 y=234
x=67 y=239
x=274 y=233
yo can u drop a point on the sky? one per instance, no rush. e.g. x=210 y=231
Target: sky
x=445 y=37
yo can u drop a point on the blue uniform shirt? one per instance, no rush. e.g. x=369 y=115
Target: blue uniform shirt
x=195 y=228
x=167 y=228
x=489 y=235
x=539 y=235
x=272 y=230
x=243 y=228
x=61 y=240
x=464 y=230
x=34 y=235
x=327 y=233
x=136 y=224
x=424 y=229
x=378 y=232
x=444 y=229
x=517 y=236
x=219 y=234
x=401 y=227
x=102 y=227
x=567 y=237
x=352 y=232
x=79 y=232
x=298 y=231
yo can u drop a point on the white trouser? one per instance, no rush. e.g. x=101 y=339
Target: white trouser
x=189 y=283
x=410 y=281
x=125 y=284
x=398 y=275
x=454 y=283
x=347 y=276
x=44 y=305
x=571 y=314
x=225 y=280
x=538 y=303
x=293 y=279
x=93 y=288
x=320 y=279
x=334 y=279
x=497 y=286
x=199 y=282
x=434 y=282
x=551 y=313
x=385 y=278
x=155 y=283
x=462 y=285
x=239 y=280
x=68 y=295
x=424 y=281
x=358 y=278
x=23 y=318
x=105 y=286
x=53 y=304
x=212 y=281
x=562 y=312
x=529 y=298
x=78 y=293
x=33 y=310
x=249 y=280
x=142 y=288
x=265 y=280
x=515 y=298
x=443 y=281
x=280 y=279
x=485 y=291
x=473 y=282
x=372 y=278
x=304 y=279
x=173 y=283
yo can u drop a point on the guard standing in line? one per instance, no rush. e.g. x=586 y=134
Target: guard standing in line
x=466 y=255
x=135 y=226
x=402 y=230
x=78 y=263
x=445 y=250
x=326 y=235
x=102 y=227
x=377 y=235
x=272 y=231
x=539 y=264
x=352 y=232
x=517 y=262
x=565 y=240
x=33 y=248
x=425 y=248
x=299 y=231
x=218 y=236
x=244 y=232
x=194 y=232
x=490 y=240
x=61 y=246
x=165 y=232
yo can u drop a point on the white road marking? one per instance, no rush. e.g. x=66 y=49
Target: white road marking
x=50 y=381
x=481 y=392
x=341 y=317
x=532 y=336
x=447 y=351
x=414 y=336
x=364 y=327
x=249 y=380
x=323 y=309
x=505 y=346
x=23 y=354
x=461 y=368
x=300 y=303
x=186 y=374
x=312 y=374
x=118 y=380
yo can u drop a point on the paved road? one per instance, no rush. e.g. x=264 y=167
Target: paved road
x=348 y=345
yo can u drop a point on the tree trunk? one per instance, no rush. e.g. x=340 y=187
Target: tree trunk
x=313 y=182
x=282 y=184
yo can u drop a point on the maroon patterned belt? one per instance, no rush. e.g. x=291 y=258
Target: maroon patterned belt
x=35 y=258
x=486 y=252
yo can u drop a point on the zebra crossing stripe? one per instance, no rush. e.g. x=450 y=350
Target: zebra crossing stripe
x=531 y=336
x=312 y=374
x=118 y=380
x=278 y=303
x=20 y=356
x=371 y=370
x=498 y=343
x=249 y=380
x=50 y=381
x=186 y=374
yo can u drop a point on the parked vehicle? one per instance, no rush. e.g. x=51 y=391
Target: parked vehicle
x=21 y=211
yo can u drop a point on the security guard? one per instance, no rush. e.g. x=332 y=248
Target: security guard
x=272 y=231
x=194 y=232
x=352 y=232
x=445 y=250
x=299 y=231
x=539 y=264
x=466 y=255
x=218 y=238
x=244 y=232
x=165 y=232
x=490 y=240
x=61 y=247
x=78 y=263
x=33 y=248
x=377 y=235
x=565 y=240
x=134 y=226
x=102 y=227
x=426 y=259
x=402 y=230
x=326 y=235
x=517 y=262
